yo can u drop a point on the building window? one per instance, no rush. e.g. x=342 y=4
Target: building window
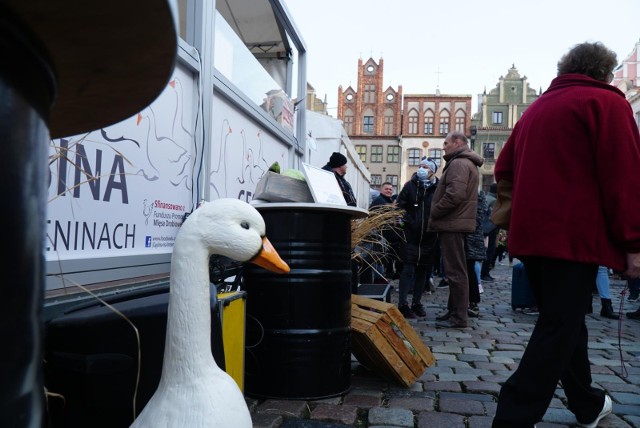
x=444 y=126
x=388 y=123
x=367 y=125
x=414 y=157
x=362 y=152
x=376 y=180
x=488 y=150
x=376 y=154
x=393 y=179
x=497 y=118
x=412 y=126
x=393 y=154
x=436 y=155
x=428 y=125
x=444 y=122
x=348 y=123
x=369 y=93
x=460 y=119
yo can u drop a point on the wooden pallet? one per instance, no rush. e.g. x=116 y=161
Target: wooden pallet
x=385 y=342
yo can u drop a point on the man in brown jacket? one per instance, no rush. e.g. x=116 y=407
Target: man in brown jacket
x=453 y=216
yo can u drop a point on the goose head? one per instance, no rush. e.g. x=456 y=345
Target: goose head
x=235 y=229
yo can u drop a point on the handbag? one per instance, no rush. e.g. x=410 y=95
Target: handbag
x=501 y=214
x=488 y=227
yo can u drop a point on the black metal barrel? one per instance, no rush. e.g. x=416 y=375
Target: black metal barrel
x=298 y=325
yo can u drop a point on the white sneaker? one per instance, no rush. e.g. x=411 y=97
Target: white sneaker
x=480 y=288
x=606 y=409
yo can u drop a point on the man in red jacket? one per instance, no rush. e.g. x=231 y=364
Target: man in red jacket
x=573 y=159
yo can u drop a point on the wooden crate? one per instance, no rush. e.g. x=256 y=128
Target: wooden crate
x=385 y=342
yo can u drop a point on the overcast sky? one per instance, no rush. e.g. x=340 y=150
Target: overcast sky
x=461 y=46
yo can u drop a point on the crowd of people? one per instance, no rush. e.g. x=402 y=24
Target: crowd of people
x=572 y=222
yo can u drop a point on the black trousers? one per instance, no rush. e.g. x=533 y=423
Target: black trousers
x=474 y=290
x=557 y=350
x=491 y=250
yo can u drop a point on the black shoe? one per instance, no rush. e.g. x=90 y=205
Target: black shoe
x=634 y=315
x=634 y=296
x=444 y=317
x=449 y=324
x=443 y=283
x=406 y=311
x=487 y=278
x=418 y=310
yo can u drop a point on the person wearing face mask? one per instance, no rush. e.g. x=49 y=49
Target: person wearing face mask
x=420 y=245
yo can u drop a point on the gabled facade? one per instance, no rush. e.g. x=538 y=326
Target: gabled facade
x=426 y=121
x=498 y=112
x=371 y=116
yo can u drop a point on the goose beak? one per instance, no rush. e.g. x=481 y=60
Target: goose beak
x=269 y=258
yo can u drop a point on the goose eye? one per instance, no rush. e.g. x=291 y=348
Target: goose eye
x=245 y=225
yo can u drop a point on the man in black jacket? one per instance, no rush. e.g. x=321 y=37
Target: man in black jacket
x=338 y=165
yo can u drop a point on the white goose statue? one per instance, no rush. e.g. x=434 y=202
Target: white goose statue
x=193 y=391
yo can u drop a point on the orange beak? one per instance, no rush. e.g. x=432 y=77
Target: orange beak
x=269 y=258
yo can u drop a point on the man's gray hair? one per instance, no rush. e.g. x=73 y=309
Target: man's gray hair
x=458 y=135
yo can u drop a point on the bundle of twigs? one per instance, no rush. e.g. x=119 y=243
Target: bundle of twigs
x=368 y=244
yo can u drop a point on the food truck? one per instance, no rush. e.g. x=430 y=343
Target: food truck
x=118 y=195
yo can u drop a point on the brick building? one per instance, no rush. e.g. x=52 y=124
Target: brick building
x=427 y=119
x=371 y=116
x=391 y=132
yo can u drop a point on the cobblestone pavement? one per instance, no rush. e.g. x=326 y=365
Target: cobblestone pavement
x=461 y=388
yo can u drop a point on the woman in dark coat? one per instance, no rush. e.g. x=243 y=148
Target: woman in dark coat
x=420 y=246
x=476 y=253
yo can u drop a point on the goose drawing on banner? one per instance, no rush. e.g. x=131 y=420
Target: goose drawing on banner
x=248 y=171
x=178 y=117
x=254 y=167
x=193 y=391
x=218 y=175
x=166 y=158
x=261 y=162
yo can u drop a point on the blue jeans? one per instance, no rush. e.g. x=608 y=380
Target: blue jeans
x=602 y=282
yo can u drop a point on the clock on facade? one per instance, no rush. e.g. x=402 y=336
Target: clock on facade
x=389 y=97
x=370 y=68
x=349 y=97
